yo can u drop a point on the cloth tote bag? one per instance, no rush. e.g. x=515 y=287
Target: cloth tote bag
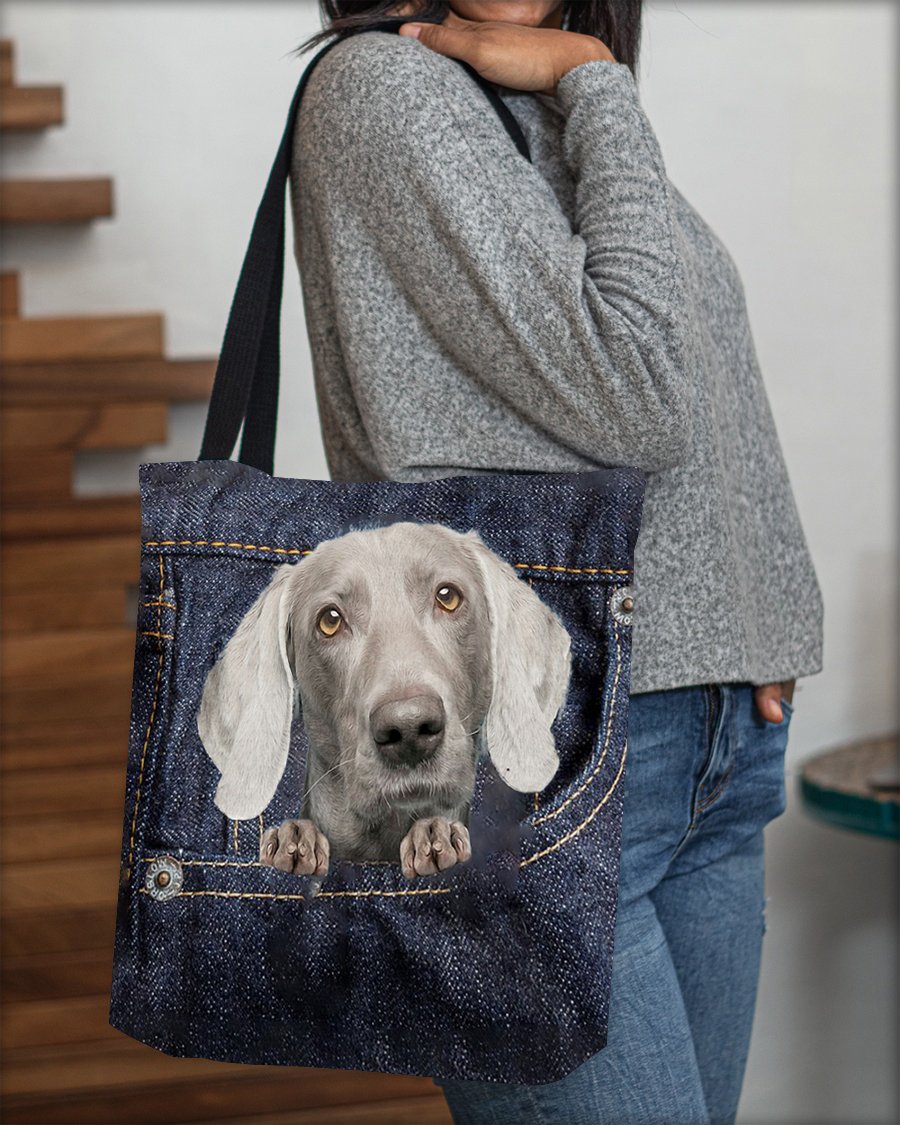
x=373 y=799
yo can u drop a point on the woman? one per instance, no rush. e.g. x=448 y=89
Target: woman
x=471 y=312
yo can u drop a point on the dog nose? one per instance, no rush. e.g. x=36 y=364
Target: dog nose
x=408 y=731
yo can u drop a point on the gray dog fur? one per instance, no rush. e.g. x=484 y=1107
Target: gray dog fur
x=402 y=675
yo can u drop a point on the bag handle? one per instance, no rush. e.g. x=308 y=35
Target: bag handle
x=246 y=382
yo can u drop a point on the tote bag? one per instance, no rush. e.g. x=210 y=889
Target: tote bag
x=374 y=785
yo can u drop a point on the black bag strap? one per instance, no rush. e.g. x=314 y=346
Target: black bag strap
x=246 y=383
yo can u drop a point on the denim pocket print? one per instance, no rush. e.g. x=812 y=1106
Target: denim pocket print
x=272 y=688
x=358 y=720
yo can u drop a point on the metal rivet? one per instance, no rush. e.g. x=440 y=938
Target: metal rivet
x=164 y=877
x=621 y=604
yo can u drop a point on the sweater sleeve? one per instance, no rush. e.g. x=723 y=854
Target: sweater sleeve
x=581 y=331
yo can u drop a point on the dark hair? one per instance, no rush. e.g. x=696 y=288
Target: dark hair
x=617 y=23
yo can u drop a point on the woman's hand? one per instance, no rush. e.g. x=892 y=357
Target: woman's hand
x=509 y=54
x=768 y=699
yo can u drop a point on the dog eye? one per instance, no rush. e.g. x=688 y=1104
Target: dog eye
x=448 y=597
x=329 y=621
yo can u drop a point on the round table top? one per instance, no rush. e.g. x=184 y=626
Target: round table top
x=856 y=786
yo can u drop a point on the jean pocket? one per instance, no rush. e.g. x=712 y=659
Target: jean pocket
x=787 y=709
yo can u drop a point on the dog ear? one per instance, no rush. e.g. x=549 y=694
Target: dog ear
x=247 y=705
x=530 y=666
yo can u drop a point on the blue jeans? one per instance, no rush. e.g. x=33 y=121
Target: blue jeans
x=704 y=775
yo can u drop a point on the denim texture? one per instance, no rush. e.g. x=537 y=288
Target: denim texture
x=705 y=776
x=496 y=971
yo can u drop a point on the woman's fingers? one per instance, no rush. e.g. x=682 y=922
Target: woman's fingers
x=453 y=36
x=510 y=54
x=768 y=699
x=768 y=702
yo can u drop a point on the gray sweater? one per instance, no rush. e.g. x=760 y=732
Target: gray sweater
x=470 y=312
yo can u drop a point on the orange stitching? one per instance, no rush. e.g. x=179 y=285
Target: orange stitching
x=162 y=636
x=321 y=894
x=160 y=597
x=169 y=605
x=308 y=551
x=223 y=543
x=572 y=569
x=207 y=862
x=599 y=765
x=253 y=862
x=587 y=820
x=137 y=797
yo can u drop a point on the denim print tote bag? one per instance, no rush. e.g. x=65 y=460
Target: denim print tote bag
x=378 y=735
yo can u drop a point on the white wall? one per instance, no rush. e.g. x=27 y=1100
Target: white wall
x=776 y=120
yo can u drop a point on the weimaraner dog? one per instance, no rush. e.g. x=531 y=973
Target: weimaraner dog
x=410 y=649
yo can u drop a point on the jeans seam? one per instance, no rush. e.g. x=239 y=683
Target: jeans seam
x=710 y=797
x=712 y=715
x=161 y=651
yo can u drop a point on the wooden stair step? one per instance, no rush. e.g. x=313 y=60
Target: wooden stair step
x=75 y=517
x=124 y=1061
x=7 y=69
x=70 y=339
x=48 y=931
x=103 y=699
x=172 y=380
x=85 y=673
x=98 y=834
x=70 y=1019
x=50 y=745
x=56 y=976
x=194 y=1104
x=40 y=477
x=37 y=612
x=31 y=107
x=114 y=425
x=9 y=294
x=35 y=565
x=48 y=885
x=430 y=1110
x=81 y=672
x=61 y=200
x=78 y=789
x=140 y=1107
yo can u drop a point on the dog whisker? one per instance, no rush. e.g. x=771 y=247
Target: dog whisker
x=322 y=778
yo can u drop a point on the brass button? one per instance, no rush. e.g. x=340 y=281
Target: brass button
x=164 y=878
x=621 y=604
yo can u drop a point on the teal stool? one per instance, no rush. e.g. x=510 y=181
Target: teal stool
x=855 y=786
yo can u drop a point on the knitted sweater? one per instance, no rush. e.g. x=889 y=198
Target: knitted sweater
x=469 y=311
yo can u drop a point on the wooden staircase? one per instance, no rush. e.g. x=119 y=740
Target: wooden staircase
x=69 y=566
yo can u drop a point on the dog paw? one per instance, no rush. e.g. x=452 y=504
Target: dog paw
x=296 y=846
x=433 y=845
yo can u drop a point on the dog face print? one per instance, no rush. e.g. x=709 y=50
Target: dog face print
x=410 y=649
